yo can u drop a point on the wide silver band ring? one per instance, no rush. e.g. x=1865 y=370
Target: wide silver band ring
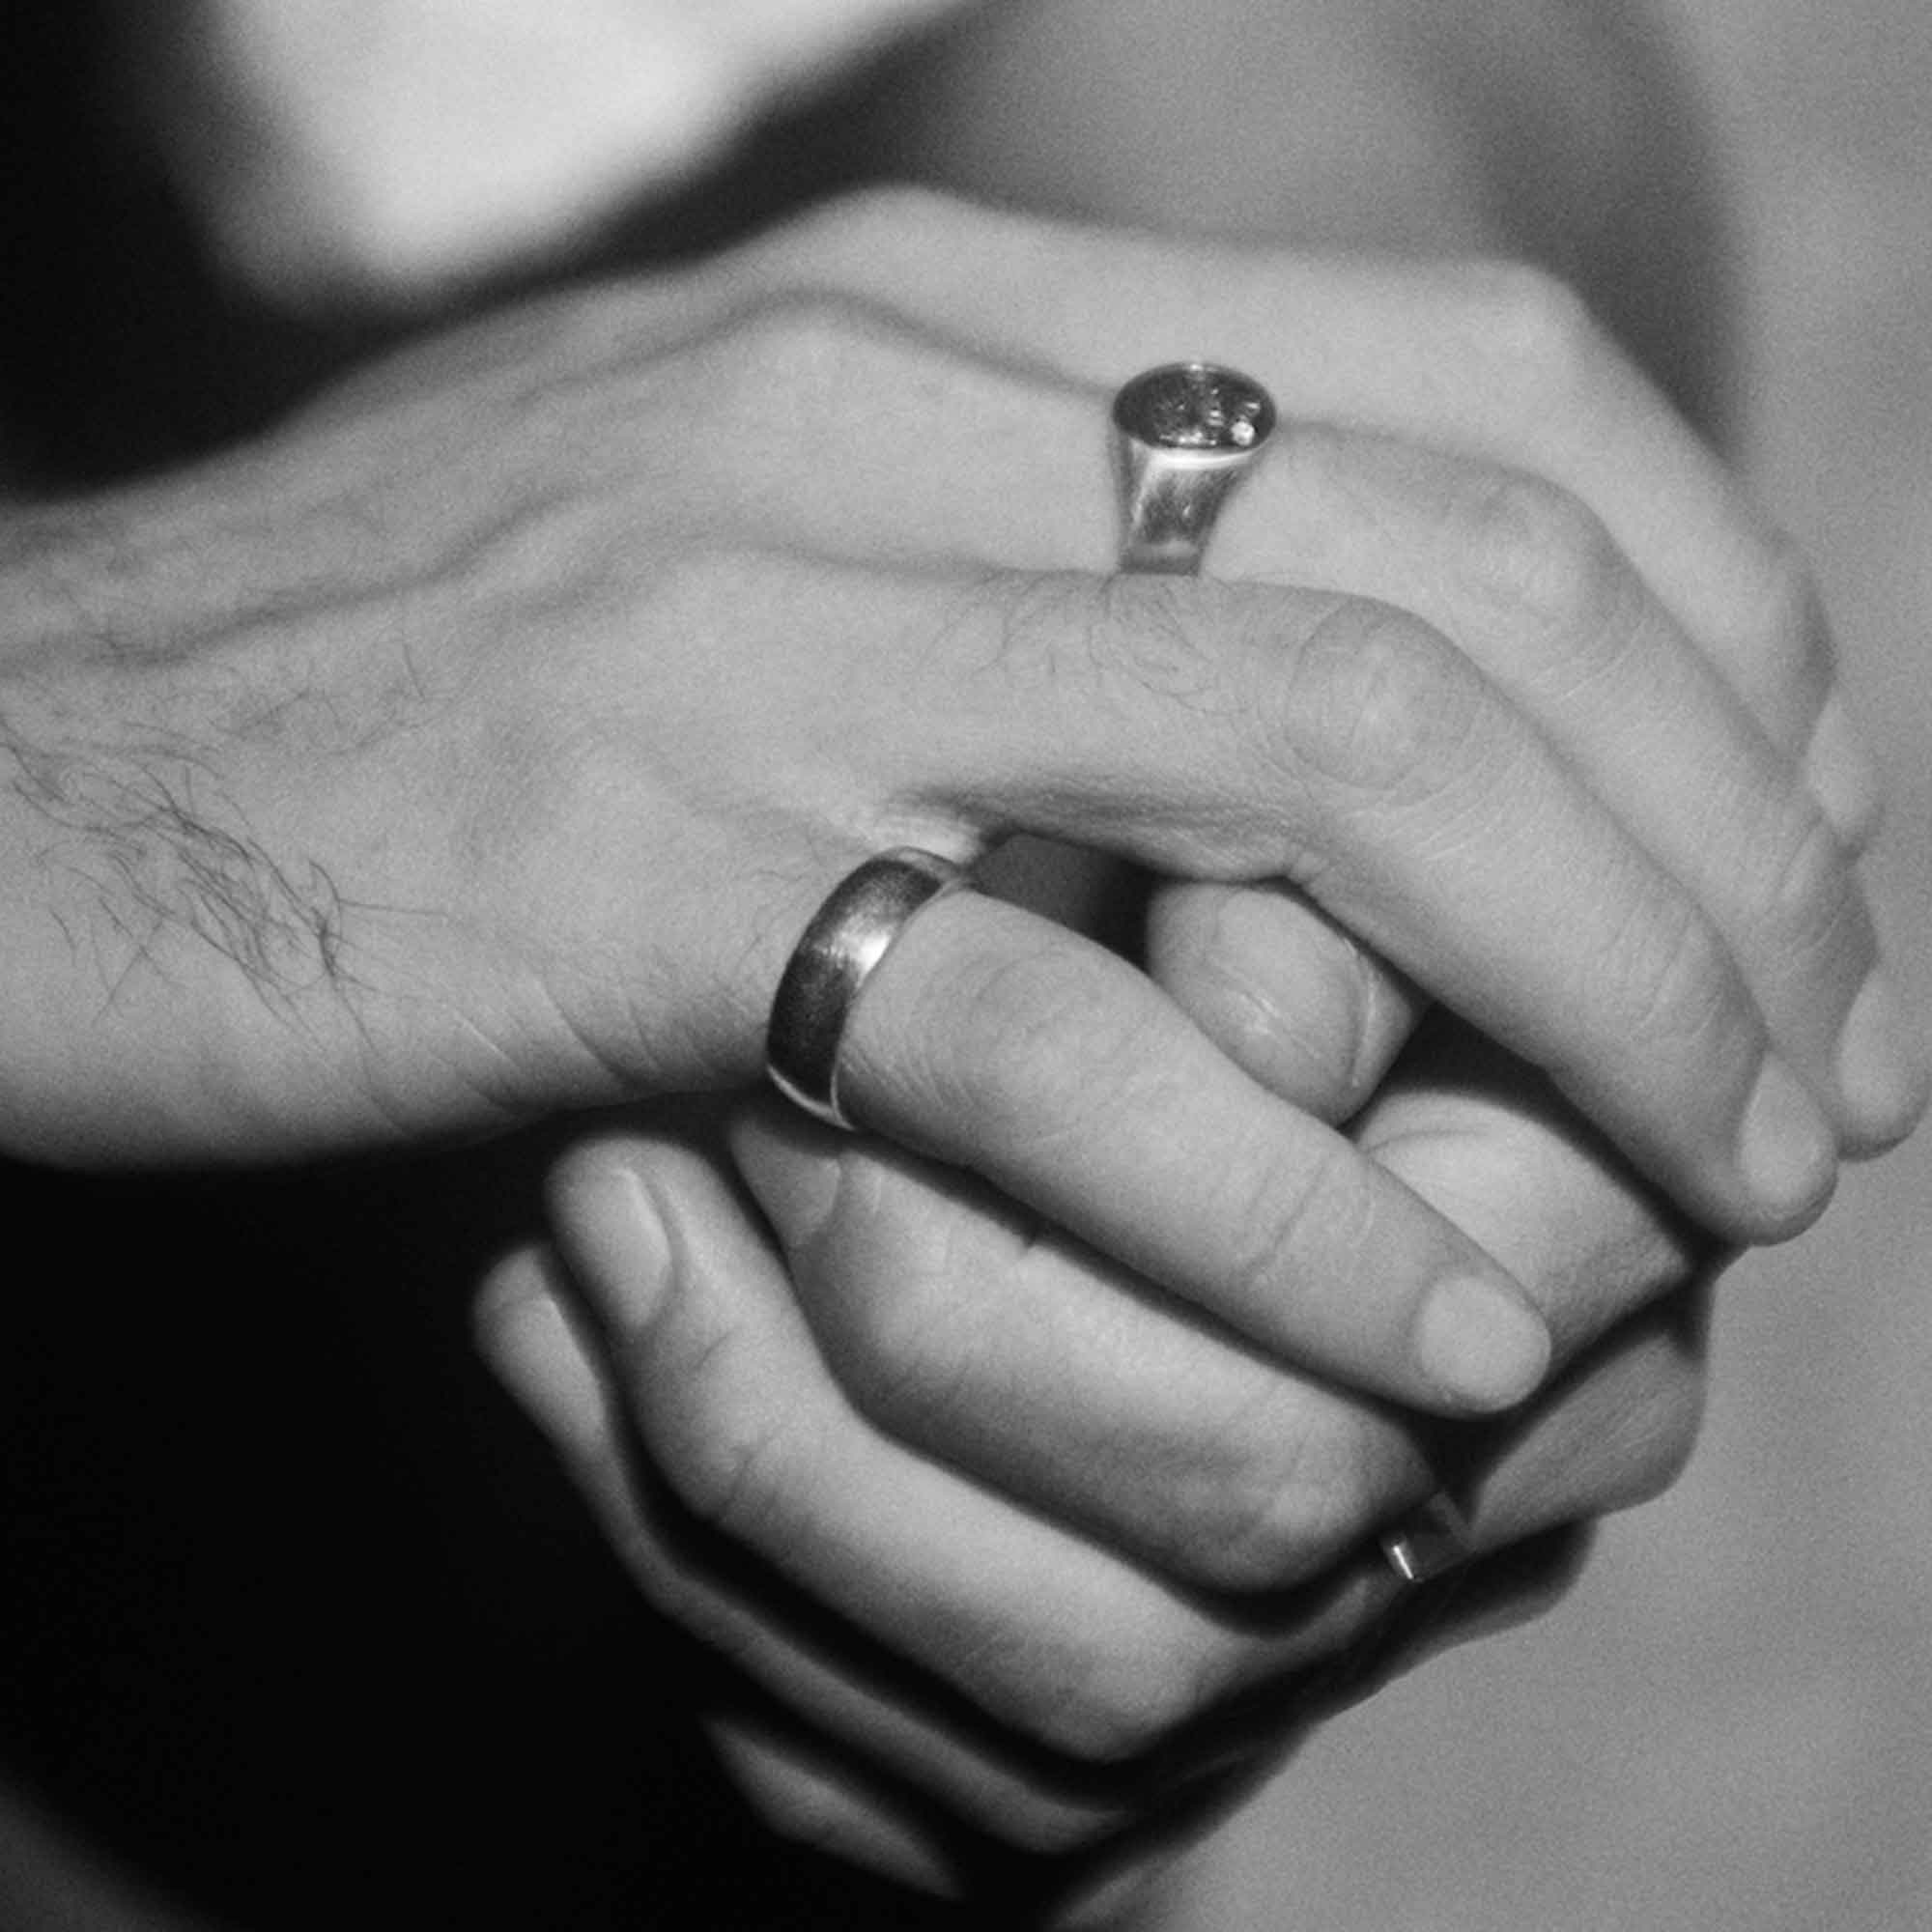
x=1185 y=435
x=849 y=934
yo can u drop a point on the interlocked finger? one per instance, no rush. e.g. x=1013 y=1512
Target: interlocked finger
x=992 y=1344
x=1043 y=1632
x=680 y=1295
x=1075 y=1086
x=1287 y=994
x=1524 y=578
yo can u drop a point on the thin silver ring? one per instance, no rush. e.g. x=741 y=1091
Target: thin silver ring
x=852 y=930
x=1429 y=1542
x=1185 y=435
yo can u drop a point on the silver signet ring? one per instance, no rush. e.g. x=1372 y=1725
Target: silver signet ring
x=1185 y=436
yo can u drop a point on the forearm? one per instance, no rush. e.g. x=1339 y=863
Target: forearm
x=198 y=711
x=155 y=926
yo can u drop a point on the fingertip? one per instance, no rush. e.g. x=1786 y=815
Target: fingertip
x=1883 y=1074
x=511 y=1280
x=1481 y=1342
x=1787 y=1154
x=528 y=1338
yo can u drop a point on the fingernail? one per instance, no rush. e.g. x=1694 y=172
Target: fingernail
x=1882 y=1066
x=1787 y=1152
x=1842 y=774
x=613 y=1232
x=1482 y=1345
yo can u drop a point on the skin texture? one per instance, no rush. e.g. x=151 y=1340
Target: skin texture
x=805 y=1381
x=937 y=1323
x=322 y=762
x=318 y=853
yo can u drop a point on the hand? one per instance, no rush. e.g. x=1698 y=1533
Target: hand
x=1024 y=1564
x=1029 y=1369
x=452 y=757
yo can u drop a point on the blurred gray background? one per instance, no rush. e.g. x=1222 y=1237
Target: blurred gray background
x=1728 y=1727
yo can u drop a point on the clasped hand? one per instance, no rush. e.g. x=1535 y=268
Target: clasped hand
x=474 y=749
x=1098 y=1486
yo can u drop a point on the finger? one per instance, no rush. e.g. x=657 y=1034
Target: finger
x=1478 y=1135
x=1073 y=1085
x=1616 y=1431
x=1366 y=757
x=831 y=1752
x=1622 y=1281
x=538 y=1349
x=1008 y=465
x=525 y=1330
x=1010 y=1353
x=1627 y=1289
x=910 y=701
x=1526 y=580
x=1050 y=1637
x=1491 y=1593
x=993 y=1345
x=1287 y=995
x=1496 y=362
x=937 y=1761
x=1615 y=1436
x=808 y=1789
x=1518 y=573
x=803 y=1796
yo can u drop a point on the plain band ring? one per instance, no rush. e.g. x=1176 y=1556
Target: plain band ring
x=1429 y=1542
x=852 y=930
x=1185 y=436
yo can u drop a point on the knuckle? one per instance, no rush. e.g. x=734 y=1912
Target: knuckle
x=1378 y=707
x=1128 y=1697
x=1665 y=1454
x=707 y=590
x=1280 y=1519
x=1529 y=547
x=871 y=219
x=1536 y=331
x=1655 y=1437
x=869 y=236
x=794 y=358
